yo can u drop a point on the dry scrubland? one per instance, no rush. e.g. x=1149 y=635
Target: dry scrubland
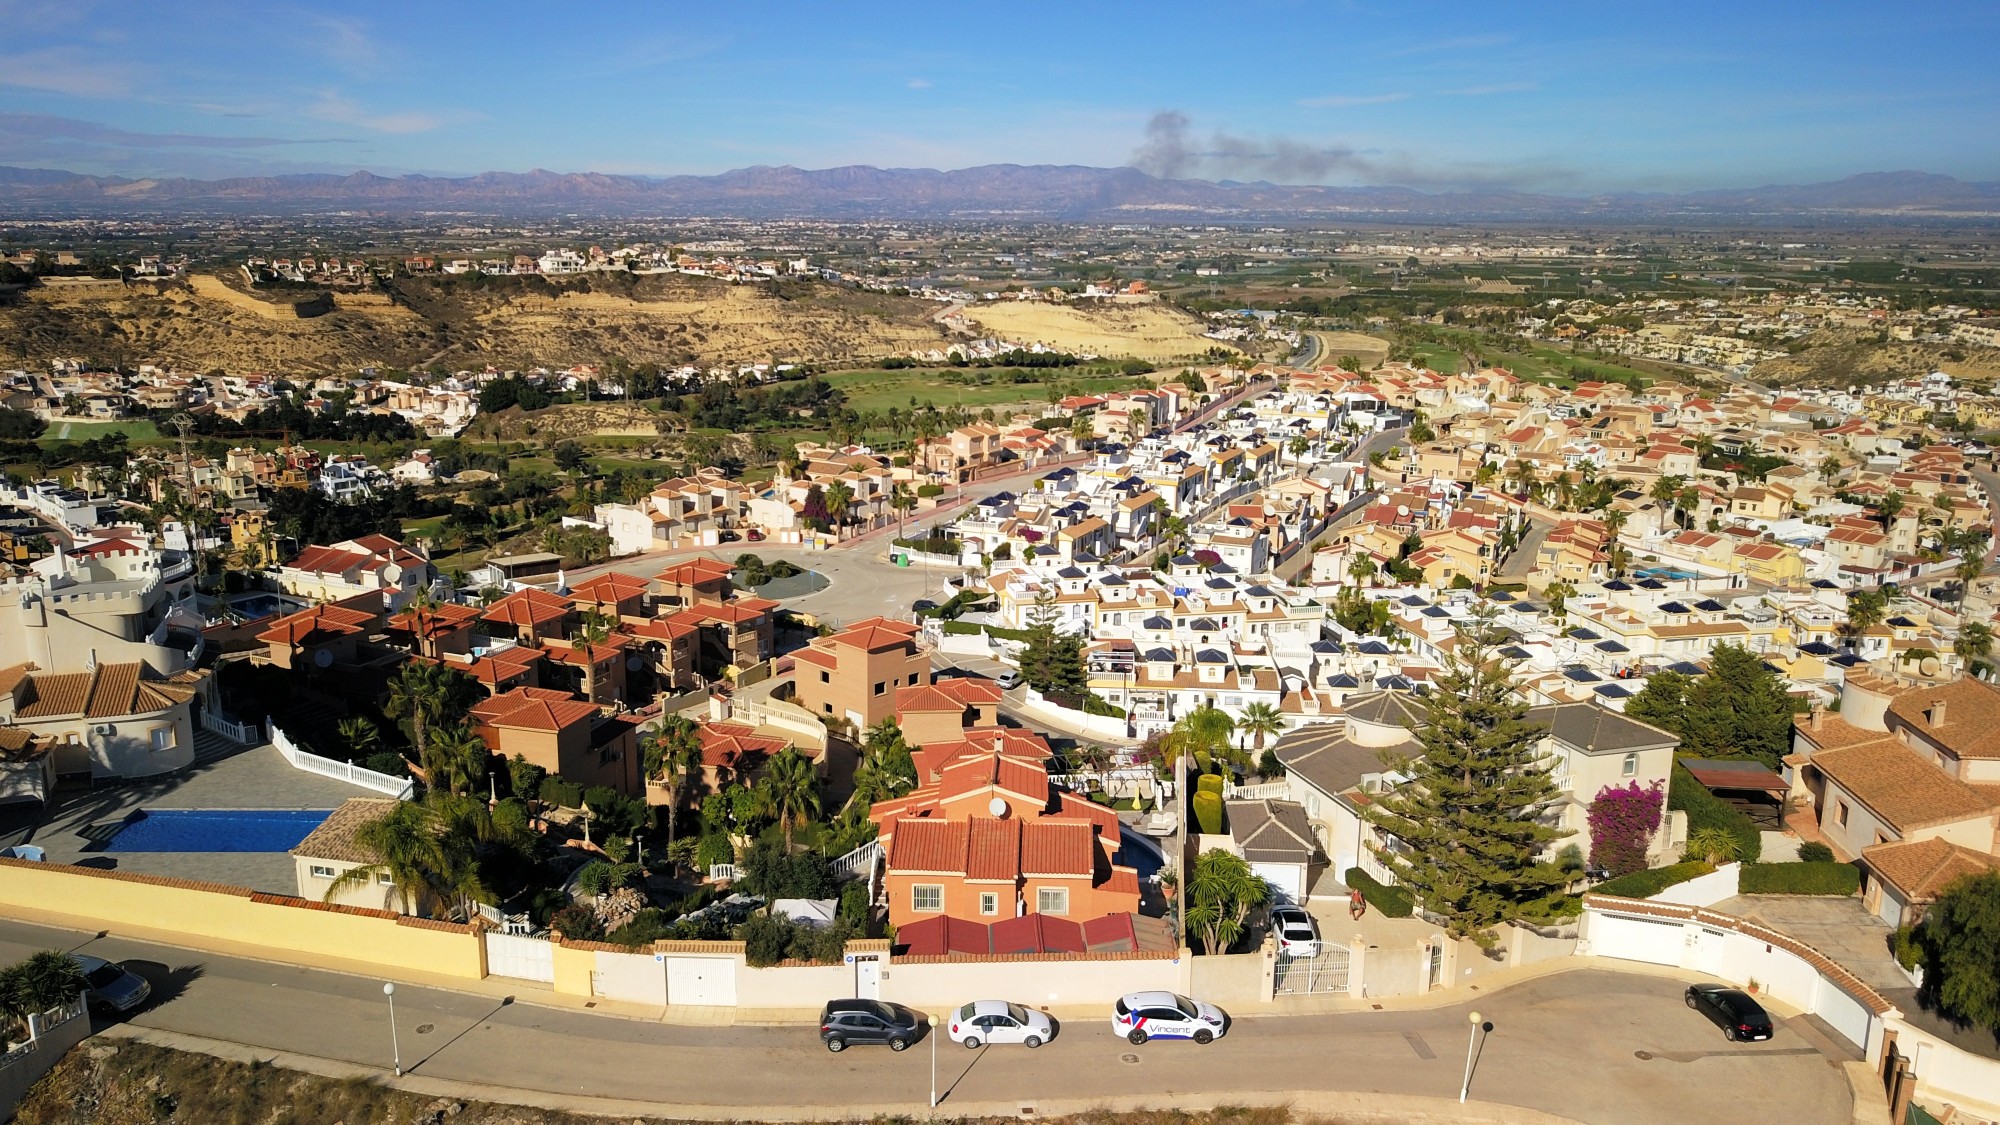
x=208 y=323
x=124 y=1082
x=1370 y=350
x=1841 y=357
x=1150 y=331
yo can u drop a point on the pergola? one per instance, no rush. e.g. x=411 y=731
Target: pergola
x=1750 y=786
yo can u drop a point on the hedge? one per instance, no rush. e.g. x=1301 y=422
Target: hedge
x=1653 y=880
x=1827 y=878
x=1706 y=810
x=1209 y=783
x=1394 y=902
x=967 y=628
x=1208 y=812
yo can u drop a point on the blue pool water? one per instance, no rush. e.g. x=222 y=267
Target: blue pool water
x=215 y=830
x=1667 y=573
x=1134 y=852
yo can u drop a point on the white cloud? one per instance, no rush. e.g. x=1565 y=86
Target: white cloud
x=1341 y=101
x=346 y=44
x=918 y=83
x=65 y=70
x=332 y=106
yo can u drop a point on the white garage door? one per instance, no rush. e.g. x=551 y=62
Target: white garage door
x=1636 y=939
x=701 y=980
x=513 y=955
x=1284 y=877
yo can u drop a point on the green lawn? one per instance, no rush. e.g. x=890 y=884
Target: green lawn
x=138 y=430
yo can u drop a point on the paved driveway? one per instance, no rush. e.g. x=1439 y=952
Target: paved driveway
x=1841 y=928
x=1589 y=1045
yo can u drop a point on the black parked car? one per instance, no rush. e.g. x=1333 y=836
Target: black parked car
x=868 y=1021
x=1741 y=1019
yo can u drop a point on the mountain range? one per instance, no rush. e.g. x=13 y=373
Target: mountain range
x=993 y=192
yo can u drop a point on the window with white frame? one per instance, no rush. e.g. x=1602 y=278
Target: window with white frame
x=989 y=902
x=927 y=898
x=321 y=871
x=1631 y=768
x=163 y=738
x=1052 y=900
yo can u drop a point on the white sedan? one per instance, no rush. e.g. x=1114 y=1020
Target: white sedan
x=1166 y=1015
x=997 y=1021
x=1298 y=935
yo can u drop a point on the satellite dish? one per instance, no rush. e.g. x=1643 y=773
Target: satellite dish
x=997 y=806
x=1402 y=509
x=1929 y=666
x=322 y=658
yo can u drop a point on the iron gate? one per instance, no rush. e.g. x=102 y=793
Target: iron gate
x=1326 y=972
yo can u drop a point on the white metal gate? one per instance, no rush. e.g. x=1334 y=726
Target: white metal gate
x=526 y=958
x=1326 y=972
x=701 y=980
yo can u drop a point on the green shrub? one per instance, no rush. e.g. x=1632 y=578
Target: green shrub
x=929 y=490
x=577 y=922
x=1208 y=812
x=1209 y=783
x=1705 y=810
x=967 y=628
x=562 y=794
x=715 y=848
x=1825 y=878
x=1653 y=880
x=1815 y=852
x=1909 y=950
x=1394 y=902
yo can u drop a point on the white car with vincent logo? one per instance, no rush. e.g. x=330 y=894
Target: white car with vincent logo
x=1166 y=1015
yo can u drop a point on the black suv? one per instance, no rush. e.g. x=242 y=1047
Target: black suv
x=868 y=1021
x=1741 y=1019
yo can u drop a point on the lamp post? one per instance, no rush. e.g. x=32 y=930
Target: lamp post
x=395 y=1046
x=1470 y=1042
x=934 y=1038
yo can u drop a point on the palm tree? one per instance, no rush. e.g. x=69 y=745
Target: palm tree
x=1686 y=501
x=1974 y=644
x=1559 y=592
x=874 y=781
x=1260 y=720
x=1523 y=473
x=361 y=737
x=408 y=850
x=457 y=757
x=1203 y=732
x=839 y=497
x=1890 y=506
x=416 y=696
x=1362 y=570
x=1615 y=521
x=903 y=500
x=790 y=791
x=674 y=755
x=1220 y=896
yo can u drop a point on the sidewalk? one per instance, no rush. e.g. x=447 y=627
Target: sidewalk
x=1347 y=1106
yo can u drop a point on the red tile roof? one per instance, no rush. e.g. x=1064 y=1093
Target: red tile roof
x=527 y=607
x=695 y=571
x=993 y=849
x=611 y=586
x=1059 y=847
x=925 y=844
x=534 y=710
x=735 y=744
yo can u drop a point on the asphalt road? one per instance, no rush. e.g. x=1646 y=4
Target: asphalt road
x=1590 y=1045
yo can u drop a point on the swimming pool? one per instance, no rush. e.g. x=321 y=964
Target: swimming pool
x=1666 y=573
x=260 y=605
x=1138 y=853
x=214 y=830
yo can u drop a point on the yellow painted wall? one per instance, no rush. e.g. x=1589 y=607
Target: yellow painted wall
x=228 y=919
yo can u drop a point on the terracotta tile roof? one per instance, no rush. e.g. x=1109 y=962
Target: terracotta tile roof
x=19 y=746
x=980 y=774
x=1921 y=868
x=924 y=698
x=611 y=586
x=870 y=637
x=311 y=626
x=328 y=560
x=926 y=844
x=734 y=744
x=667 y=628
x=10 y=678
x=1038 y=933
x=1900 y=787
x=1834 y=732
x=735 y=612
x=1971 y=727
x=436 y=620
x=992 y=849
x=1059 y=847
x=695 y=571
x=109 y=692
x=334 y=838
x=534 y=710
x=527 y=607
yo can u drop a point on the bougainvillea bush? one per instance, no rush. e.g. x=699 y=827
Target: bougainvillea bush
x=1622 y=822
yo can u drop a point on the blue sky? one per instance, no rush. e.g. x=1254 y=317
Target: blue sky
x=1544 y=97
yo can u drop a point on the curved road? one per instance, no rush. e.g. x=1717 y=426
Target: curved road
x=1588 y=1045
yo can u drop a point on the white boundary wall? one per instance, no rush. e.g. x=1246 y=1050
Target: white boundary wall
x=302 y=759
x=1720 y=945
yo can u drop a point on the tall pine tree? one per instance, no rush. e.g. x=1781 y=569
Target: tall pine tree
x=1739 y=709
x=1470 y=815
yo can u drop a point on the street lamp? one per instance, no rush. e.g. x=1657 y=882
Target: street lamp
x=934 y=1038
x=396 y=1047
x=1470 y=1042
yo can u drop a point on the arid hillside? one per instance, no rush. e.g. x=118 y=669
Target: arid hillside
x=1150 y=331
x=211 y=322
x=1843 y=358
